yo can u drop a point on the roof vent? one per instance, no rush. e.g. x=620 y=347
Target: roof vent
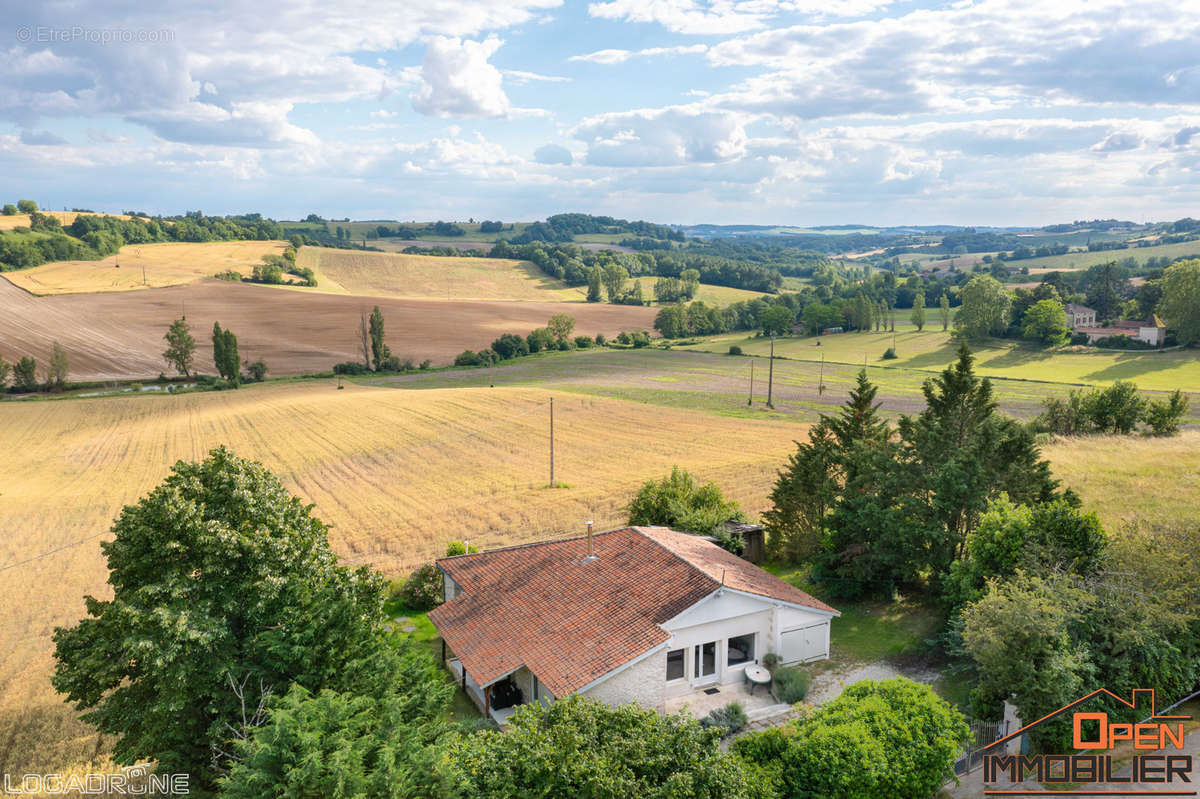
x=590 y=556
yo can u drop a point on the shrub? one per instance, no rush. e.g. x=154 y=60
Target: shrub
x=426 y=364
x=423 y=588
x=601 y=340
x=624 y=338
x=735 y=349
x=771 y=661
x=1079 y=338
x=229 y=274
x=583 y=342
x=510 y=345
x=889 y=354
x=460 y=548
x=257 y=371
x=640 y=339
x=730 y=719
x=350 y=368
x=1119 y=342
x=468 y=358
x=791 y=684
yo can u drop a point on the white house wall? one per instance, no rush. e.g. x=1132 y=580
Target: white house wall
x=641 y=683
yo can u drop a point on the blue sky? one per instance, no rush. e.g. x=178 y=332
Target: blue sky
x=741 y=111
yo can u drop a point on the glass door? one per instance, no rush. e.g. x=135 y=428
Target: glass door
x=705 y=660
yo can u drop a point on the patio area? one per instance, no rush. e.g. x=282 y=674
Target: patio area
x=759 y=706
x=476 y=693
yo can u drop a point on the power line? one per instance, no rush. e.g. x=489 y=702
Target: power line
x=51 y=552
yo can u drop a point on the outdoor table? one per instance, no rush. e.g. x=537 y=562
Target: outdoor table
x=757 y=675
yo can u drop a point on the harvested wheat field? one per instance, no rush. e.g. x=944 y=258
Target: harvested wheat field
x=119 y=335
x=397 y=473
x=1133 y=480
x=378 y=274
x=65 y=217
x=143 y=266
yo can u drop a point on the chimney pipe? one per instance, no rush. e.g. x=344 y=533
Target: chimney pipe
x=589 y=528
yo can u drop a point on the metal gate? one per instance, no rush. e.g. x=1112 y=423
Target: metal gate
x=983 y=734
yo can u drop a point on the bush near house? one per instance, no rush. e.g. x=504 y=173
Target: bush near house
x=893 y=738
x=791 y=684
x=730 y=719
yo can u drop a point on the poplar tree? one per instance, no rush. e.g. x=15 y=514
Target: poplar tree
x=918 y=311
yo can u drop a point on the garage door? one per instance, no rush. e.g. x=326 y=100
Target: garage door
x=804 y=643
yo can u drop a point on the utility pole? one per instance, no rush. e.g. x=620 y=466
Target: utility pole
x=750 y=399
x=821 y=379
x=492 y=372
x=552 y=442
x=771 y=374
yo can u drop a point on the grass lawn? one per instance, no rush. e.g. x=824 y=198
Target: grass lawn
x=870 y=630
x=425 y=634
x=933 y=349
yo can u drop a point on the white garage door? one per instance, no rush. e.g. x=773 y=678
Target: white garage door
x=804 y=643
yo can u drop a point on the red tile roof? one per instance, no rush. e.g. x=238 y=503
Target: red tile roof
x=571 y=621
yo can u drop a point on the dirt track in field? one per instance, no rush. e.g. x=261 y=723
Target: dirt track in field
x=113 y=336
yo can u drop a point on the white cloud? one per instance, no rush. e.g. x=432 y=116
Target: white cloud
x=724 y=17
x=520 y=78
x=620 y=56
x=458 y=81
x=227 y=57
x=663 y=137
x=989 y=55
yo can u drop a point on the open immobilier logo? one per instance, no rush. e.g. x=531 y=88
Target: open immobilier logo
x=1159 y=758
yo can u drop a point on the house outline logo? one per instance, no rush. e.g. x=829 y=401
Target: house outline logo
x=1097 y=767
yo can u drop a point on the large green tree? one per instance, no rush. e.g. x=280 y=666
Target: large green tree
x=374 y=739
x=224 y=590
x=1180 y=303
x=944 y=308
x=1046 y=322
x=25 y=374
x=585 y=748
x=1107 y=288
x=225 y=354
x=594 y=283
x=181 y=347
x=614 y=278
x=985 y=307
x=958 y=453
x=5 y=368
x=682 y=502
x=775 y=320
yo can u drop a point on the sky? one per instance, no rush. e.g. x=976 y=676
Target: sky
x=796 y=112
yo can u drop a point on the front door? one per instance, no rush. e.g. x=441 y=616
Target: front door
x=705 y=660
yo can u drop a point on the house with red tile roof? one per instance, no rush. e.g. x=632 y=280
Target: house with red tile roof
x=638 y=614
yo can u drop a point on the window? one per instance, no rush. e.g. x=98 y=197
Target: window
x=675 y=665
x=741 y=649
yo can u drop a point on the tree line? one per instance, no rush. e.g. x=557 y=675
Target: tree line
x=91 y=237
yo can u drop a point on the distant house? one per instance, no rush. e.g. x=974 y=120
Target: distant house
x=1079 y=316
x=636 y=615
x=1152 y=331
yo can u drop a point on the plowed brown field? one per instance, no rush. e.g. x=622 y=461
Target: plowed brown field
x=120 y=335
